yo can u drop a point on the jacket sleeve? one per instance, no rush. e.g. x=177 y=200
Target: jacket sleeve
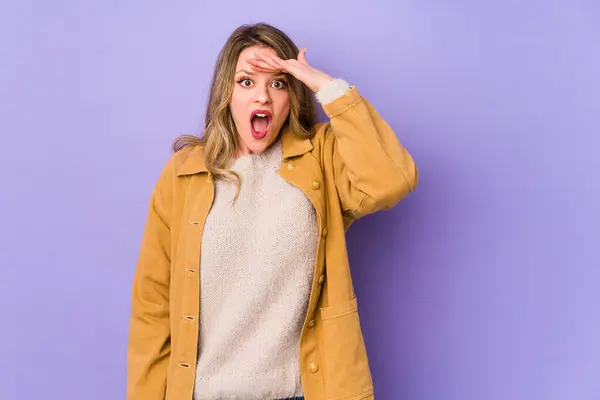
x=149 y=345
x=372 y=170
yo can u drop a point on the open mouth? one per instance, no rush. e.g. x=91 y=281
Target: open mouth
x=260 y=121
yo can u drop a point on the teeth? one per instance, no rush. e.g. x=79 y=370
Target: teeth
x=261 y=115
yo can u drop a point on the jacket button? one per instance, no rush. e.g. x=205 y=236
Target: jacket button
x=321 y=279
x=311 y=323
x=313 y=368
x=290 y=165
x=324 y=233
x=315 y=185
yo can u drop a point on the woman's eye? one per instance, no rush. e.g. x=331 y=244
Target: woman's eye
x=246 y=82
x=279 y=84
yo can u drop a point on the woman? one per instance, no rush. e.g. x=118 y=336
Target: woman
x=243 y=288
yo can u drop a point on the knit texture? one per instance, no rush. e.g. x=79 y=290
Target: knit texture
x=256 y=272
x=334 y=89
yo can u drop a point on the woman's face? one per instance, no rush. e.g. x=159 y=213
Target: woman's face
x=260 y=105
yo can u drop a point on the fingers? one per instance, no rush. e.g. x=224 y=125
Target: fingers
x=260 y=69
x=262 y=66
x=277 y=63
x=281 y=64
x=268 y=58
x=295 y=67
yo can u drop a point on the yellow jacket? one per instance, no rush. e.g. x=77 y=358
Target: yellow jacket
x=353 y=166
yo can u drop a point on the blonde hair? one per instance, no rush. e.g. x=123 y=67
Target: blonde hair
x=220 y=136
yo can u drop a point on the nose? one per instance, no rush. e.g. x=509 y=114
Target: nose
x=262 y=95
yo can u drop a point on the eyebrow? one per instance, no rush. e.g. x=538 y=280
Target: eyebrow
x=280 y=74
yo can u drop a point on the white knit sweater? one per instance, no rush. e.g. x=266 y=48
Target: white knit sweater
x=257 y=262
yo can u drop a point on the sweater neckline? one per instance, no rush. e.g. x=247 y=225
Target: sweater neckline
x=270 y=157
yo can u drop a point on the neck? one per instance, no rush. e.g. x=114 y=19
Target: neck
x=243 y=151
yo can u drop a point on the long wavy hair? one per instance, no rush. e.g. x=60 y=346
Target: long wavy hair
x=220 y=136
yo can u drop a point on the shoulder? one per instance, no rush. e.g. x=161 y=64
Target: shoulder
x=184 y=162
x=187 y=161
x=171 y=184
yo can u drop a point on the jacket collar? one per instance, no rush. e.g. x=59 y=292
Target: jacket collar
x=291 y=145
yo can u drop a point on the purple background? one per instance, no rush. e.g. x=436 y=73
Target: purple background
x=483 y=284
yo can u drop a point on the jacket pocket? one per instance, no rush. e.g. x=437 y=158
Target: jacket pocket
x=347 y=373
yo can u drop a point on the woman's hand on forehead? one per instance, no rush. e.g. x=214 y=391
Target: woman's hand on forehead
x=259 y=64
x=267 y=60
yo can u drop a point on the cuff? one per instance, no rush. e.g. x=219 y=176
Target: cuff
x=343 y=103
x=332 y=91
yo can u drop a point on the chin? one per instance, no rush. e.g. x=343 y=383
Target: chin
x=259 y=145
